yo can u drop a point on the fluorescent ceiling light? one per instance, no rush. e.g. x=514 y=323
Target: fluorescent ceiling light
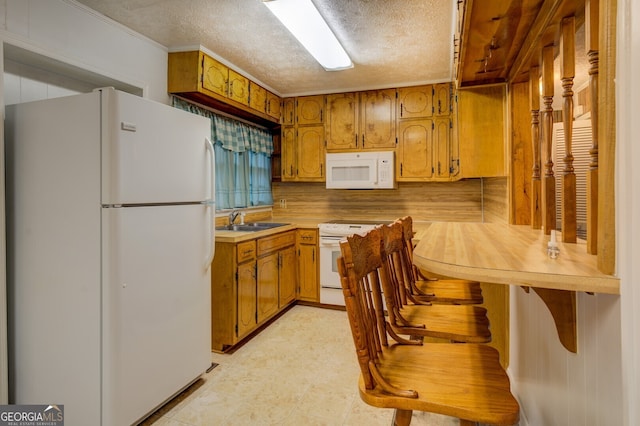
x=303 y=20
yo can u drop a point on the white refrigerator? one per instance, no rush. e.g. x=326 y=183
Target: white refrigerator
x=110 y=226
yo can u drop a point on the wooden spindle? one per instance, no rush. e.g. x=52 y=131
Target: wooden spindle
x=549 y=181
x=569 y=216
x=534 y=101
x=591 y=39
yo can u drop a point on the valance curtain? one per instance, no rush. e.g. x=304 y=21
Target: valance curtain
x=243 y=165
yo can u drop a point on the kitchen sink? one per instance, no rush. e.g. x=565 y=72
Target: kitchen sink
x=251 y=226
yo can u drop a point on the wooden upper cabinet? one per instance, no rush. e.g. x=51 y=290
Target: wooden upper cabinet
x=289 y=111
x=257 y=97
x=310 y=110
x=442 y=99
x=289 y=151
x=378 y=119
x=311 y=153
x=365 y=120
x=414 y=155
x=199 y=77
x=442 y=148
x=415 y=102
x=215 y=76
x=482 y=131
x=238 y=88
x=273 y=105
x=342 y=121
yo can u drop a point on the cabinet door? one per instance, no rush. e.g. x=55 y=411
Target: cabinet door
x=267 y=286
x=442 y=99
x=287 y=276
x=415 y=102
x=310 y=110
x=441 y=148
x=215 y=76
x=288 y=111
x=308 y=272
x=415 y=150
x=378 y=119
x=257 y=97
x=482 y=131
x=310 y=153
x=274 y=106
x=246 y=298
x=288 y=160
x=238 y=88
x=342 y=121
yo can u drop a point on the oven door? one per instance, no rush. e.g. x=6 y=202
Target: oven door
x=330 y=287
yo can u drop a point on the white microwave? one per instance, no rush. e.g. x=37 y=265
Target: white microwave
x=360 y=170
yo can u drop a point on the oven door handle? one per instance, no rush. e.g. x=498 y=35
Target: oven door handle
x=330 y=242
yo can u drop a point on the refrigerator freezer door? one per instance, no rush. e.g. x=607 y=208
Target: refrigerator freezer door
x=153 y=153
x=156 y=306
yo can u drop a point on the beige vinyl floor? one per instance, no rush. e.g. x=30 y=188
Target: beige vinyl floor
x=300 y=370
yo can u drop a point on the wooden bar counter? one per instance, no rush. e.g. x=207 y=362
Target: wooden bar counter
x=515 y=255
x=508 y=254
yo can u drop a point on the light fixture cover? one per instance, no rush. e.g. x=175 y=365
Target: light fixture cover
x=303 y=20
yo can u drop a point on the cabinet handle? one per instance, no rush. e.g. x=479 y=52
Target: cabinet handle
x=439 y=107
x=363 y=140
x=401 y=106
x=356 y=139
x=313 y=255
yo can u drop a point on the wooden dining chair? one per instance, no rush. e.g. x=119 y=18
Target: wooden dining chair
x=433 y=289
x=459 y=380
x=459 y=323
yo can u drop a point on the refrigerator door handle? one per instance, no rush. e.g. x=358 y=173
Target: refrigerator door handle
x=211 y=204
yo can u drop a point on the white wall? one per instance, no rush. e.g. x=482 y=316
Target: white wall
x=73 y=34
x=70 y=49
x=628 y=200
x=555 y=386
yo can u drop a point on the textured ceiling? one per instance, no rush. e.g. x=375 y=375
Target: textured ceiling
x=392 y=43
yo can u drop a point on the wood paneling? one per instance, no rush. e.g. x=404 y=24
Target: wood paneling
x=495 y=200
x=521 y=155
x=428 y=201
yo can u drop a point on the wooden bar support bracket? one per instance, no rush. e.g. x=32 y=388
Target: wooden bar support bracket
x=562 y=305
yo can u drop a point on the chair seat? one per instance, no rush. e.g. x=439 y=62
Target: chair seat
x=458 y=380
x=449 y=291
x=459 y=323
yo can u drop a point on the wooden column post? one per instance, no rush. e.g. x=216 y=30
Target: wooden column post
x=591 y=43
x=536 y=184
x=569 y=177
x=549 y=181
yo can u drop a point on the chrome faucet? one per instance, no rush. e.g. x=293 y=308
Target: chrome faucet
x=233 y=215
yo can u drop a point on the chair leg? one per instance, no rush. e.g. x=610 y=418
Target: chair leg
x=402 y=417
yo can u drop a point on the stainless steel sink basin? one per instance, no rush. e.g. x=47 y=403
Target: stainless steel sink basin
x=250 y=227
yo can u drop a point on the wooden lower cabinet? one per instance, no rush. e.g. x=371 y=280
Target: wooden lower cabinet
x=251 y=281
x=308 y=282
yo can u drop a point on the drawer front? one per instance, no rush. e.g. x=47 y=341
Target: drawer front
x=276 y=242
x=307 y=236
x=246 y=251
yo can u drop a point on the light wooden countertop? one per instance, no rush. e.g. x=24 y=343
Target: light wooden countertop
x=292 y=224
x=507 y=254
